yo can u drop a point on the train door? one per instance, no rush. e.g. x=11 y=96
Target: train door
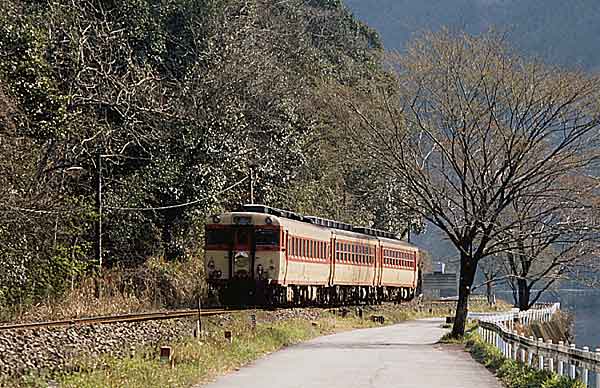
x=287 y=256
x=332 y=249
x=381 y=263
x=243 y=252
x=375 y=265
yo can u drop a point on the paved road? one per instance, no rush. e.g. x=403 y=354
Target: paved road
x=403 y=356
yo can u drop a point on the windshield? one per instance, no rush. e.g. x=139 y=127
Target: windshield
x=220 y=236
x=266 y=237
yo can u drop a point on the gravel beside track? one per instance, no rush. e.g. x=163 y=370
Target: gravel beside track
x=56 y=348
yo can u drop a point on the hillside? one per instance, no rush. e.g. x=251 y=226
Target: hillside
x=560 y=32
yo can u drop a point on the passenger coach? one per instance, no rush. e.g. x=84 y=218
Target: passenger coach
x=262 y=255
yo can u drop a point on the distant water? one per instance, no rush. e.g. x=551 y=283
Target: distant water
x=585 y=306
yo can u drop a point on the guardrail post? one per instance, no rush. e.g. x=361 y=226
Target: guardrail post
x=561 y=368
x=550 y=359
x=561 y=363
x=523 y=359
x=573 y=367
x=597 y=370
x=585 y=373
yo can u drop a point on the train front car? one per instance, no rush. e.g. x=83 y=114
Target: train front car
x=242 y=254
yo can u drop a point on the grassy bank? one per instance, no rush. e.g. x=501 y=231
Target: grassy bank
x=514 y=374
x=198 y=360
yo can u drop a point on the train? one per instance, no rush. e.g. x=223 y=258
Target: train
x=260 y=255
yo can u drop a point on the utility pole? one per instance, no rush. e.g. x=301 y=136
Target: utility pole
x=99 y=209
x=252 y=166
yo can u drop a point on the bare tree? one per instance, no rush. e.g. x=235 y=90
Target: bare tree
x=553 y=234
x=493 y=274
x=471 y=128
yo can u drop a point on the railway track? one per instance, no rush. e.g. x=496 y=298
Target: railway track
x=135 y=317
x=140 y=317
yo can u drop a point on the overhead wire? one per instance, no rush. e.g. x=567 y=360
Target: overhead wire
x=190 y=203
x=178 y=205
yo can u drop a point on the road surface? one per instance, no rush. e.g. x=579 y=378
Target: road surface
x=403 y=356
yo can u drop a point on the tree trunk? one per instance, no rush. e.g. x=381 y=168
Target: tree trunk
x=468 y=266
x=170 y=219
x=490 y=294
x=524 y=294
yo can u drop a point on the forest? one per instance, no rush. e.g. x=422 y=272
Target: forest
x=125 y=123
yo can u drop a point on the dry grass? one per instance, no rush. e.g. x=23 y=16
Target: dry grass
x=155 y=285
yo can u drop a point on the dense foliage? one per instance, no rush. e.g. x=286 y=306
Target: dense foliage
x=163 y=103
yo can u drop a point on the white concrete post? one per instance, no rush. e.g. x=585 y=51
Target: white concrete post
x=541 y=362
x=585 y=373
x=597 y=371
x=523 y=359
x=530 y=358
x=550 y=359
x=573 y=370
x=561 y=368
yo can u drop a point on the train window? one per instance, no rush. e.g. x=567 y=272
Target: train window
x=218 y=236
x=268 y=237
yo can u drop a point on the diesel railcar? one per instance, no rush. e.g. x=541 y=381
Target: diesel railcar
x=262 y=255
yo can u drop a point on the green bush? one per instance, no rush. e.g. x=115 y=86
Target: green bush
x=514 y=374
x=562 y=382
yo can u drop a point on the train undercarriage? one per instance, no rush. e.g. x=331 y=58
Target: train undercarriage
x=258 y=293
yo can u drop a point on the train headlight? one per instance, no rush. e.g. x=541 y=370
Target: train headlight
x=216 y=219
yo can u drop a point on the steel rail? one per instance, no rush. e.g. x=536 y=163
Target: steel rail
x=133 y=317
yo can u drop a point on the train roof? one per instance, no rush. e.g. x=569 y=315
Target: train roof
x=257 y=208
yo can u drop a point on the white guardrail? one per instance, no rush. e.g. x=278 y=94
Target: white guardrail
x=562 y=358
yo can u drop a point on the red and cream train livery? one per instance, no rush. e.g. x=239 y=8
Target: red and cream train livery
x=264 y=255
